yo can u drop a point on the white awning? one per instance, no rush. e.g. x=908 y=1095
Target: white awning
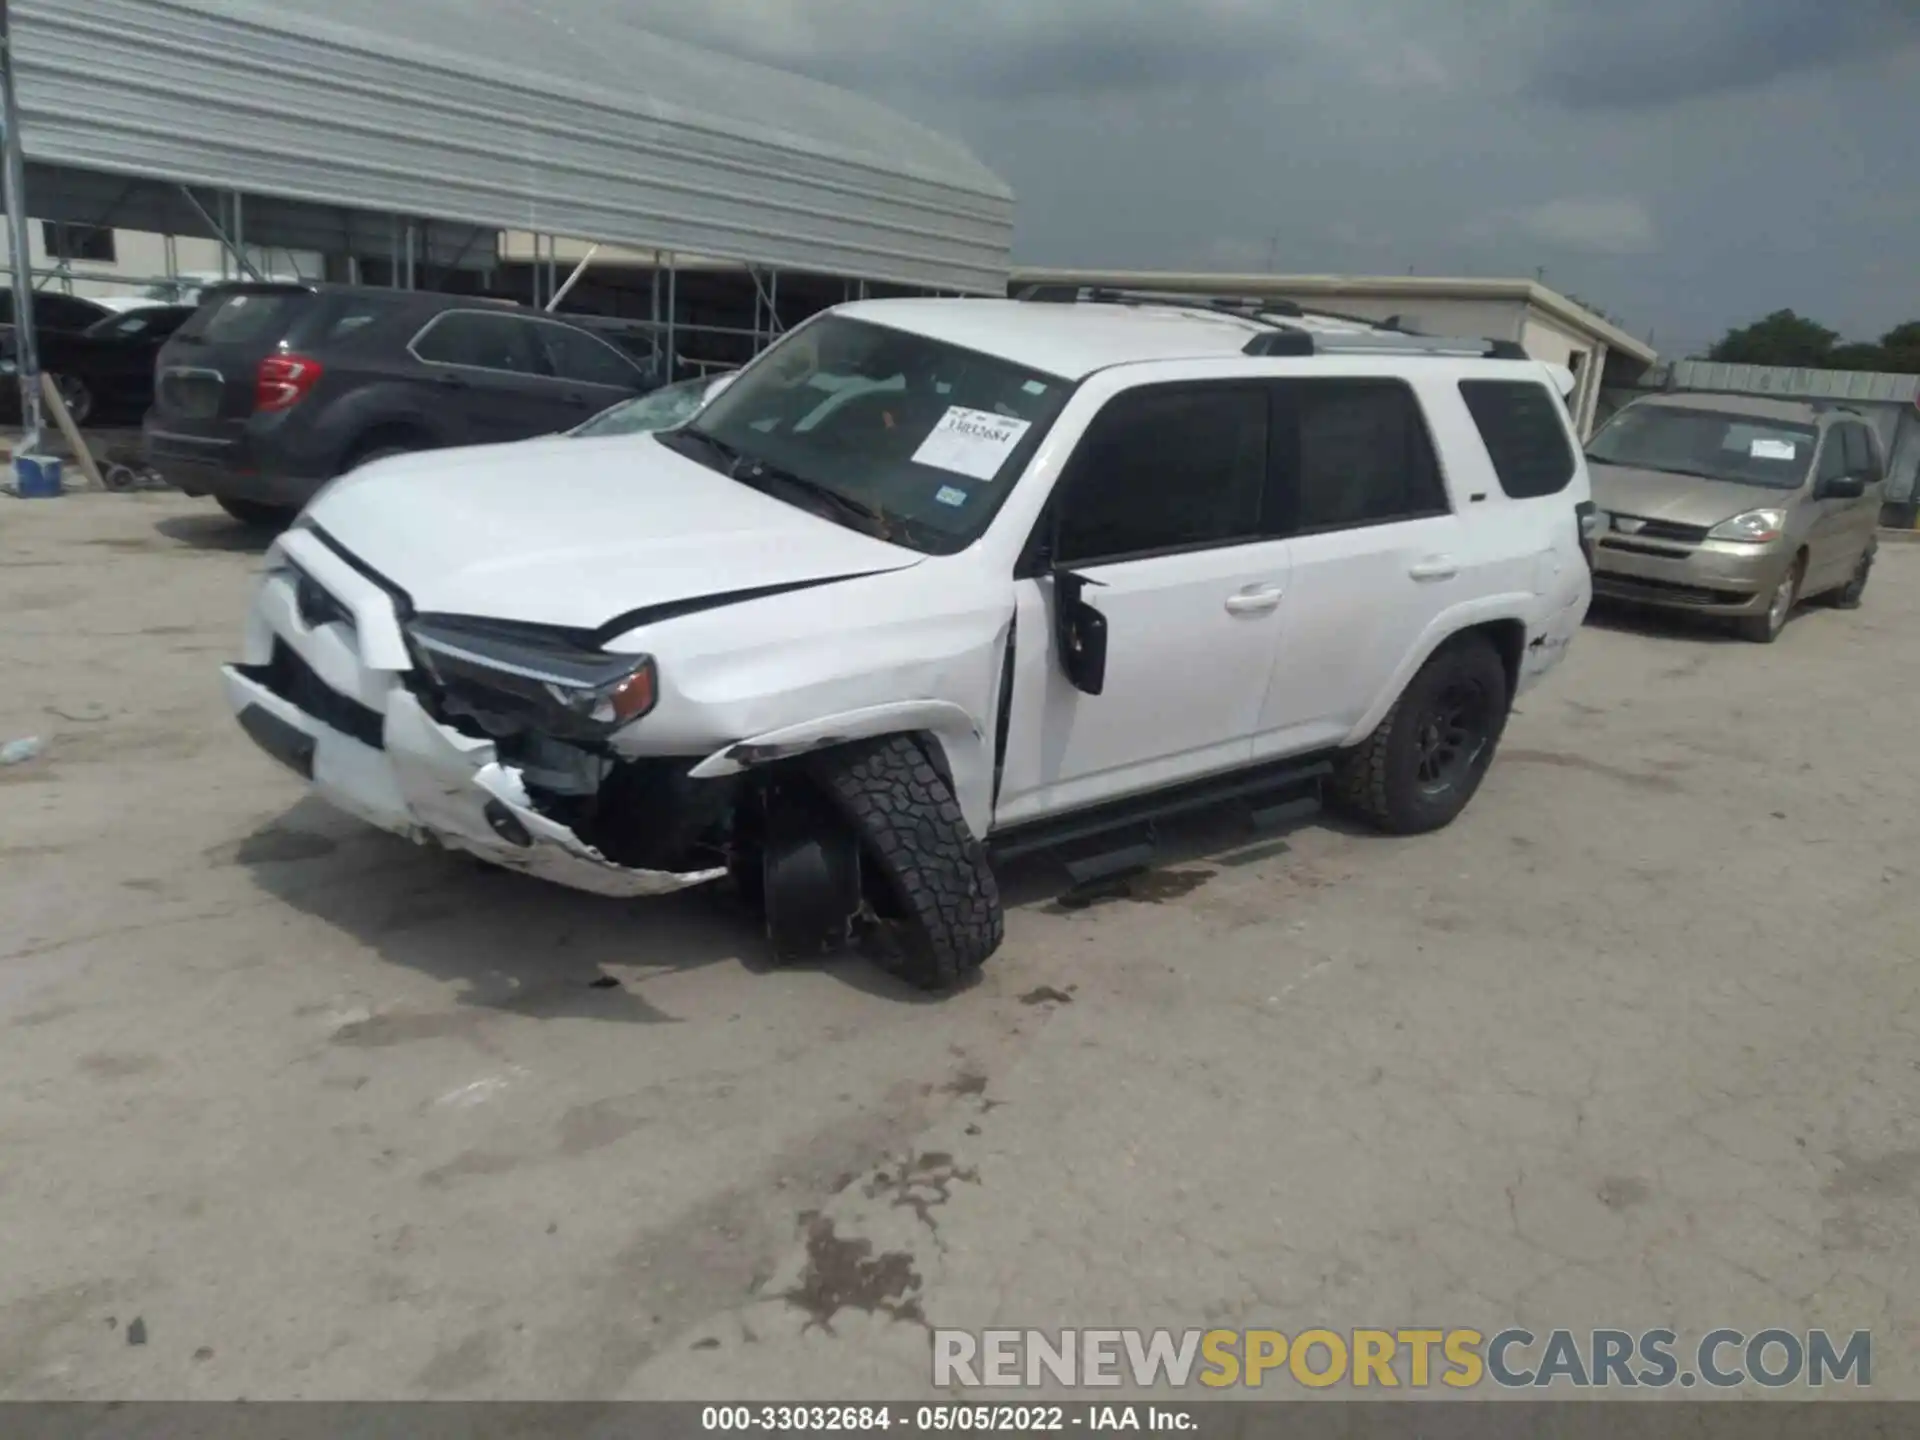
x=553 y=116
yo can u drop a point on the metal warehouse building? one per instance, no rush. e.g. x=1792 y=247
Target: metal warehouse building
x=407 y=135
x=1549 y=325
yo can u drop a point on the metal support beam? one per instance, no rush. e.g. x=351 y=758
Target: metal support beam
x=673 y=312
x=574 y=278
x=410 y=249
x=767 y=295
x=26 y=347
x=219 y=233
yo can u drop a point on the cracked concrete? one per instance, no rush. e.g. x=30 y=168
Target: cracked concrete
x=1632 y=1045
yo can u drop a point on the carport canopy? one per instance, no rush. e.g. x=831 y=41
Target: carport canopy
x=551 y=116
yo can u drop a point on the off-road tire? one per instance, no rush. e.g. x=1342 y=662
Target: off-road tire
x=1849 y=595
x=912 y=831
x=258 y=514
x=1378 y=780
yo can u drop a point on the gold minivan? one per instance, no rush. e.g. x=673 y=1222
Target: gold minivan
x=1735 y=505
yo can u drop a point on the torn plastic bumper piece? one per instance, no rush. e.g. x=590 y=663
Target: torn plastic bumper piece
x=433 y=785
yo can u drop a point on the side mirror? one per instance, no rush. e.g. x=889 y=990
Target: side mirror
x=1846 y=487
x=1080 y=633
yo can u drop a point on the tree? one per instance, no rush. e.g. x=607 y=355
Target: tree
x=1900 y=349
x=1783 y=338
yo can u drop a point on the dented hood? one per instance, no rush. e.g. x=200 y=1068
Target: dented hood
x=575 y=531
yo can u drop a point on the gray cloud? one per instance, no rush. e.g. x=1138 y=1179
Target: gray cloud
x=1476 y=137
x=1649 y=52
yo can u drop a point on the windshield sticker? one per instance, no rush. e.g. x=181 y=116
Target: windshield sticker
x=971 y=442
x=950 y=495
x=1034 y=387
x=1772 y=449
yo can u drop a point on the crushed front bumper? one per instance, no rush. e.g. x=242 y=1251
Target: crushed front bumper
x=367 y=745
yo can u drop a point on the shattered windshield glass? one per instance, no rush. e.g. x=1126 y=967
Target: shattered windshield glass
x=918 y=440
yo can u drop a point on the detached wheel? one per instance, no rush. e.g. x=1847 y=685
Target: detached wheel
x=1418 y=770
x=1765 y=628
x=932 y=871
x=1848 y=596
x=258 y=515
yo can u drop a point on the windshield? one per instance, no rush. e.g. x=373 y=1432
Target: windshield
x=918 y=439
x=660 y=409
x=1716 y=446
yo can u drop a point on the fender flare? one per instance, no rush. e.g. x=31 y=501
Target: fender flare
x=962 y=739
x=1513 y=607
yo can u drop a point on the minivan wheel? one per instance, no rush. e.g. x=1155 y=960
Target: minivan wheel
x=1848 y=596
x=1765 y=628
x=1425 y=760
x=258 y=514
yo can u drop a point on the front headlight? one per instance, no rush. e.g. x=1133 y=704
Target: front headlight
x=1753 y=527
x=533 y=676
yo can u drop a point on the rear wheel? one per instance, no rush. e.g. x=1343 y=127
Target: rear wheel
x=1765 y=628
x=258 y=514
x=1421 y=766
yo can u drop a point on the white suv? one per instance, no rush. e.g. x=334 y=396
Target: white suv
x=936 y=580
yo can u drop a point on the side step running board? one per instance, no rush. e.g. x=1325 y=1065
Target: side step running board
x=1121 y=837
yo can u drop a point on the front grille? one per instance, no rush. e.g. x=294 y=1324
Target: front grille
x=1662 y=530
x=297 y=683
x=1636 y=586
x=1665 y=552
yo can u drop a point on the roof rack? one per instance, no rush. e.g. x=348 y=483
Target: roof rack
x=1282 y=337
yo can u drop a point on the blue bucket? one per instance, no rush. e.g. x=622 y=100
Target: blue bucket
x=36 y=477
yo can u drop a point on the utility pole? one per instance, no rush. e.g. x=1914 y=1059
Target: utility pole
x=26 y=350
x=1273 y=253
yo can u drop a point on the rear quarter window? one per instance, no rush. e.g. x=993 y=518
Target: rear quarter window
x=1525 y=434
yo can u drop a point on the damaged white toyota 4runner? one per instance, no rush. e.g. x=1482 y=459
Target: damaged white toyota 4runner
x=934 y=581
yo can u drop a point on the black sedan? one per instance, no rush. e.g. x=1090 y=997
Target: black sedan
x=104 y=372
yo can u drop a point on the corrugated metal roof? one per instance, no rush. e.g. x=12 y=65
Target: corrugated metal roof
x=1862 y=385
x=549 y=115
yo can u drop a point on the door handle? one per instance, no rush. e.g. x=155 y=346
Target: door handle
x=1434 y=567
x=455 y=382
x=1254 y=600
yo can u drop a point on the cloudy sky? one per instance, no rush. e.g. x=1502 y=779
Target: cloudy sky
x=1685 y=164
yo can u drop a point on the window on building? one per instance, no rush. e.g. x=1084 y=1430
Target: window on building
x=77 y=242
x=1524 y=433
x=1349 y=453
x=1166 y=468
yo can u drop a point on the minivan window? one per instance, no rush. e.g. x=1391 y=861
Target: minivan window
x=1861 y=460
x=903 y=435
x=1746 y=450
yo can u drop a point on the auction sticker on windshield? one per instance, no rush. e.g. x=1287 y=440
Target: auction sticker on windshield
x=975 y=443
x=1771 y=449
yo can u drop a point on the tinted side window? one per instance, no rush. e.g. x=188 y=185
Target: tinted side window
x=1352 y=452
x=483 y=342
x=1163 y=469
x=352 y=315
x=1861 y=459
x=575 y=355
x=1833 y=454
x=1521 y=425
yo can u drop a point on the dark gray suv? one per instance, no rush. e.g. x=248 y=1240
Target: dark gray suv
x=271 y=390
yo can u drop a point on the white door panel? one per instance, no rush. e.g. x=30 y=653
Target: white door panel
x=1357 y=600
x=1190 y=646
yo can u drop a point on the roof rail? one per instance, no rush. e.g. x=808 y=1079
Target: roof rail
x=1306 y=342
x=1283 y=337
